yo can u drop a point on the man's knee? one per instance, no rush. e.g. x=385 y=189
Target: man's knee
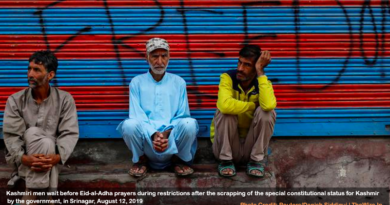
x=30 y=133
x=130 y=127
x=189 y=126
x=32 y=130
x=219 y=114
x=267 y=117
x=44 y=146
x=221 y=119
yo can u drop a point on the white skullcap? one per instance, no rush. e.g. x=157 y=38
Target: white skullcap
x=156 y=43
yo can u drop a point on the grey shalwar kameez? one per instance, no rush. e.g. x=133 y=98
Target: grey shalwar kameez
x=50 y=127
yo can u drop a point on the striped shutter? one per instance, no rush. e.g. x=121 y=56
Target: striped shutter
x=330 y=58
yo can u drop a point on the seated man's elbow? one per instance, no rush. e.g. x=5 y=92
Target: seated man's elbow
x=268 y=107
x=225 y=112
x=223 y=108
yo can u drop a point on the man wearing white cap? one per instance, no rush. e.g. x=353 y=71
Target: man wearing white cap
x=159 y=132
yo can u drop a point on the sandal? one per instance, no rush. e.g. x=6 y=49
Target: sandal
x=143 y=162
x=226 y=165
x=177 y=162
x=253 y=165
x=139 y=166
x=189 y=171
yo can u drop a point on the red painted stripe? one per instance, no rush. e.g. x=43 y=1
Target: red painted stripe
x=204 y=97
x=176 y=3
x=200 y=46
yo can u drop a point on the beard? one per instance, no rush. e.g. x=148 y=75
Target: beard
x=158 y=72
x=32 y=85
x=243 y=79
x=36 y=82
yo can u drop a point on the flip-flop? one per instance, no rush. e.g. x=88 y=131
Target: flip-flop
x=226 y=165
x=139 y=166
x=189 y=172
x=252 y=165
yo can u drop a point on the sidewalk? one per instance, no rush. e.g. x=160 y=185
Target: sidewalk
x=304 y=162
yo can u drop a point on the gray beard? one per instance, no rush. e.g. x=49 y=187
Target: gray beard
x=158 y=72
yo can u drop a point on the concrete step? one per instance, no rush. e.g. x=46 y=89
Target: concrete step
x=305 y=162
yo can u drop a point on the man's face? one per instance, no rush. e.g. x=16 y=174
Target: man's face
x=158 y=60
x=246 y=70
x=37 y=75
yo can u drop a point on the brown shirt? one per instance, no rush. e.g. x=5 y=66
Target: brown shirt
x=56 y=115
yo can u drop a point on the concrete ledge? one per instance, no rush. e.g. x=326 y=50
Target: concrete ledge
x=304 y=162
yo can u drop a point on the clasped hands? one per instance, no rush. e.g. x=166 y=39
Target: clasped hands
x=41 y=162
x=160 y=140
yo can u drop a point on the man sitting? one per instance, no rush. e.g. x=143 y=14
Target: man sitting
x=40 y=126
x=244 y=121
x=160 y=131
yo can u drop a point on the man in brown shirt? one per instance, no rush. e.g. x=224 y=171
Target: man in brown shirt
x=40 y=125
